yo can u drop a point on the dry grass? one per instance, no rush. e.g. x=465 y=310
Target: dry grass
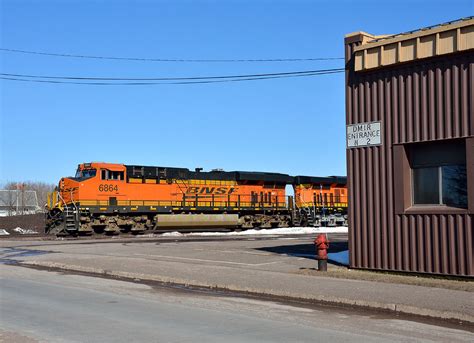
x=417 y=280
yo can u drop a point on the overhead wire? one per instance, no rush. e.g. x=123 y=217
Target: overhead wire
x=183 y=82
x=178 y=60
x=171 y=78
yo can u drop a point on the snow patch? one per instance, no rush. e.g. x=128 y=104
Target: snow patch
x=172 y=234
x=25 y=231
x=256 y=232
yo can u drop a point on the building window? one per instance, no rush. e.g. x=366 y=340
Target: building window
x=439 y=173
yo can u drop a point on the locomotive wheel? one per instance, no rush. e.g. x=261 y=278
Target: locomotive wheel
x=304 y=221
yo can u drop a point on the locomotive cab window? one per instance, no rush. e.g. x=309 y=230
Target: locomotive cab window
x=439 y=174
x=85 y=173
x=112 y=175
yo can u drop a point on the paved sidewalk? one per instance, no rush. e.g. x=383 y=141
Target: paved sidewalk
x=259 y=267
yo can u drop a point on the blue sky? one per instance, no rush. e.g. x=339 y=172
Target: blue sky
x=293 y=126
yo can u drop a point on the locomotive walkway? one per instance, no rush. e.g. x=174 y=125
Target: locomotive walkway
x=277 y=268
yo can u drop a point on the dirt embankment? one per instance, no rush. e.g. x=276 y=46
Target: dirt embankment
x=33 y=222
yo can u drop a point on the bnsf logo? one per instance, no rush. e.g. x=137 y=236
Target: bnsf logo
x=211 y=190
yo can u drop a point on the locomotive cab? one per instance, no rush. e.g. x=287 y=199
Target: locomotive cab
x=98 y=181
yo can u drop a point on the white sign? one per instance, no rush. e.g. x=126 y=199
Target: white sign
x=364 y=134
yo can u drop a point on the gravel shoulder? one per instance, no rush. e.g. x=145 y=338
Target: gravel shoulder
x=34 y=222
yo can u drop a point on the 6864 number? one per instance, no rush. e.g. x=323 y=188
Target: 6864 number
x=108 y=188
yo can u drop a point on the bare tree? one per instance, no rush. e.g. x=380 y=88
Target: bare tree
x=8 y=201
x=41 y=188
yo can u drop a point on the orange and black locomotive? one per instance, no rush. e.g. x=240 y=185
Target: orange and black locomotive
x=116 y=198
x=320 y=201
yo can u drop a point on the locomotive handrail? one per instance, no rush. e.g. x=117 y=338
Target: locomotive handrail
x=184 y=203
x=62 y=199
x=72 y=199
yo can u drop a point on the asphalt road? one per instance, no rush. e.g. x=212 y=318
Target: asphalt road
x=48 y=306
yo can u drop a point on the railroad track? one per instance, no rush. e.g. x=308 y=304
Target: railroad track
x=188 y=237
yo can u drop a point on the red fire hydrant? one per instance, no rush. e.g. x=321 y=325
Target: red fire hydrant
x=322 y=246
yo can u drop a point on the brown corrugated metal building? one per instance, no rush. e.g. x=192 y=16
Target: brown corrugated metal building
x=410 y=149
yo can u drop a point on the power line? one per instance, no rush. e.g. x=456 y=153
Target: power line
x=317 y=71
x=140 y=59
x=166 y=83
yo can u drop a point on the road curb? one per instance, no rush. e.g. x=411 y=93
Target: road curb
x=326 y=300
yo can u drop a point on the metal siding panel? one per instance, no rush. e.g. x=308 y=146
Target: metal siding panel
x=409 y=102
x=371 y=108
x=470 y=173
x=429 y=244
x=370 y=210
x=444 y=244
x=397 y=264
x=471 y=98
x=452 y=252
x=357 y=200
x=383 y=172
x=355 y=104
x=363 y=186
x=416 y=106
x=456 y=102
x=373 y=99
x=389 y=137
x=424 y=105
x=394 y=103
x=468 y=245
x=420 y=239
x=410 y=118
x=378 y=225
x=432 y=106
x=448 y=115
x=460 y=224
x=399 y=162
x=349 y=89
x=436 y=245
x=360 y=108
x=439 y=104
x=406 y=244
x=351 y=207
x=413 y=265
x=350 y=164
x=401 y=109
x=464 y=100
x=351 y=104
x=367 y=110
x=350 y=161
